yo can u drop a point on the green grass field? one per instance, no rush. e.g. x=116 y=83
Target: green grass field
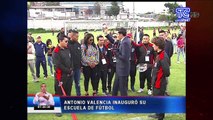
x=177 y=87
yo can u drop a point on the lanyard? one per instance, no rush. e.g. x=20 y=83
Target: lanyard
x=102 y=52
x=145 y=48
x=116 y=46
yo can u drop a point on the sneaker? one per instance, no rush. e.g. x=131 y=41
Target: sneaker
x=166 y=94
x=149 y=92
x=35 y=80
x=140 y=90
x=133 y=89
x=105 y=94
x=94 y=94
x=52 y=75
x=87 y=94
x=45 y=78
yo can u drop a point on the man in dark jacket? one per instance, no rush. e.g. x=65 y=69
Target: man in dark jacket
x=161 y=70
x=133 y=62
x=102 y=65
x=169 y=51
x=63 y=67
x=122 y=64
x=75 y=50
x=41 y=50
x=145 y=54
x=168 y=45
x=61 y=33
x=111 y=46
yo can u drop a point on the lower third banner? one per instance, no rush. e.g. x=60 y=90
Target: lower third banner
x=123 y=104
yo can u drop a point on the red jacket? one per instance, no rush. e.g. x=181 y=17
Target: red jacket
x=160 y=71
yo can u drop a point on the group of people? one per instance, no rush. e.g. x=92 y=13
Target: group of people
x=114 y=55
x=100 y=61
x=178 y=41
x=36 y=56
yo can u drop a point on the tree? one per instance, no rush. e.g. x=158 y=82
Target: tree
x=148 y=12
x=171 y=7
x=28 y=5
x=108 y=13
x=163 y=18
x=115 y=9
x=97 y=8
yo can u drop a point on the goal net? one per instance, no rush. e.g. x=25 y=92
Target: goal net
x=91 y=25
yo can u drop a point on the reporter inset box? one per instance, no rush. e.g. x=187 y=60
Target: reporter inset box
x=32 y=108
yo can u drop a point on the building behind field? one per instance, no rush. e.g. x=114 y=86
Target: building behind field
x=69 y=10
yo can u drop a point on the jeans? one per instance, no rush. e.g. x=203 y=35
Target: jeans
x=50 y=63
x=181 y=51
x=76 y=77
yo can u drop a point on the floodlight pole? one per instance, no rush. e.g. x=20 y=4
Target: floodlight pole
x=65 y=28
x=135 y=23
x=133 y=10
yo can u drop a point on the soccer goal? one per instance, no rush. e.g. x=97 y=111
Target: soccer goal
x=88 y=25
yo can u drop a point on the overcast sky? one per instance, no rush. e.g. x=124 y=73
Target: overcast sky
x=143 y=7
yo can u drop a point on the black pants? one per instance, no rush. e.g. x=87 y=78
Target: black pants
x=90 y=73
x=120 y=84
x=42 y=61
x=111 y=72
x=132 y=75
x=159 y=92
x=146 y=75
x=67 y=85
x=102 y=74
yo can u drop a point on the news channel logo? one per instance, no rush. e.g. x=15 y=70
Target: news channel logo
x=183 y=14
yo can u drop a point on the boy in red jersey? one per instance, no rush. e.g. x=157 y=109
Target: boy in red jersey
x=160 y=71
